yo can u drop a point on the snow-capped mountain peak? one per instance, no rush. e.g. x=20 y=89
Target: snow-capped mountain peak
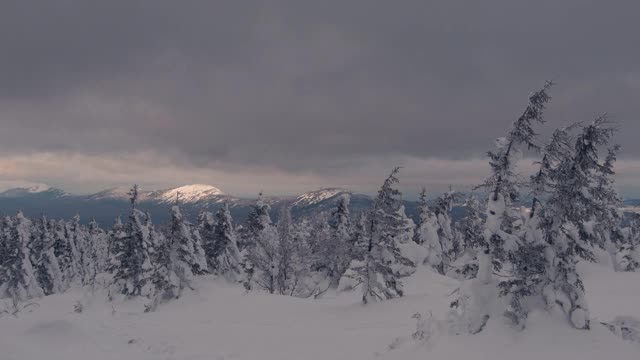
x=314 y=197
x=190 y=193
x=36 y=189
x=118 y=193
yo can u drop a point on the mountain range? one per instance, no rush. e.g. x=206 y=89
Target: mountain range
x=106 y=205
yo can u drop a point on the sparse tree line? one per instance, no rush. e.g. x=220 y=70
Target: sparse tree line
x=523 y=255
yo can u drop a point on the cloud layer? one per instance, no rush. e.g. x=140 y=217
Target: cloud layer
x=289 y=94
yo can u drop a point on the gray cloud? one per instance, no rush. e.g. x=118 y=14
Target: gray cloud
x=301 y=87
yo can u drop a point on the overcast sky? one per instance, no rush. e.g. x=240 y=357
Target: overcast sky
x=288 y=96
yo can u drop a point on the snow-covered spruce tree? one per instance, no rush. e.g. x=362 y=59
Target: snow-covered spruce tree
x=262 y=248
x=337 y=250
x=610 y=234
x=359 y=242
x=579 y=187
x=77 y=237
x=62 y=250
x=185 y=249
x=472 y=236
x=628 y=256
x=44 y=260
x=384 y=264
x=19 y=280
x=223 y=248
x=428 y=235
x=449 y=237
x=99 y=248
x=116 y=244
x=435 y=231
x=504 y=185
x=286 y=254
x=528 y=266
x=167 y=284
x=132 y=268
x=308 y=283
x=407 y=229
x=477 y=297
x=207 y=228
x=319 y=237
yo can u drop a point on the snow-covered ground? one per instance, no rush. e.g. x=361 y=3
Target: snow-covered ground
x=220 y=321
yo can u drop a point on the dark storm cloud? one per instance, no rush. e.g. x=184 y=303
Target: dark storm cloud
x=306 y=86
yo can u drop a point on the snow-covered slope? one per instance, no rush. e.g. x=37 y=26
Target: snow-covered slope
x=31 y=190
x=118 y=193
x=220 y=321
x=188 y=193
x=317 y=196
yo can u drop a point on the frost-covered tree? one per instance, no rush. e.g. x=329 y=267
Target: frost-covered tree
x=359 y=242
x=628 y=256
x=436 y=233
x=44 y=260
x=99 y=248
x=132 y=266
x=472 y=237
x=167 y=284
x=384 y=264
x=610 y=233
x=286 y=253
x=427 y=234
x=337 y=252
x=308 y=282
x=63 y=251
x=207 y=230
x=116 y=241
x=476 y=297
x=19 y=280
x=579 y=188
x=503 y=183
x=528 y=266
x=187 y=255
x=223 y=247
x=449 y=237
x=263 y=249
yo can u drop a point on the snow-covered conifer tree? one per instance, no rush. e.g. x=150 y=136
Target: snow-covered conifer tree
x=359 y=242
x=207 y=230
x=225 y=256
x=427 y=234
x=384 y=264
x=44 y=259
x=579 y=187
x=449 y=237
x=628 y=256
x=184 y=248
x=337 y=249
x=286 y=253
x=62 y=250
x=19 y=279
x=472 y=237
x=475 y=302
x=167 y=284
x=76 y=236
x=132 y=267
x=262 y=252
x=503 y=183
x=99 y=247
